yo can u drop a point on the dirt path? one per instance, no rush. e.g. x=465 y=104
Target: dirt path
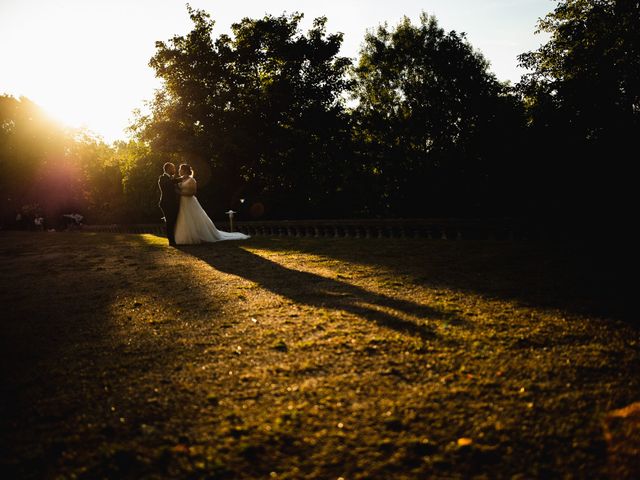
x=306 y=358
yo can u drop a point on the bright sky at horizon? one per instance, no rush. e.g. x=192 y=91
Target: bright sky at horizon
x=86 y=61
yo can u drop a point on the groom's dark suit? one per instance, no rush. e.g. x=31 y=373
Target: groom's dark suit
x=169 y=204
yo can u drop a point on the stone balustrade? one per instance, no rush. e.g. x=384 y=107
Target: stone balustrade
x=437 y=229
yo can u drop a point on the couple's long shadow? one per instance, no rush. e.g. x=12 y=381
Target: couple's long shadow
x=322 y=292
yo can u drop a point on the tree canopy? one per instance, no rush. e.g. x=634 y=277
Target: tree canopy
x=432 y=120
x=261 y=112
x=49 y=170
x=583 y=101
x=277 y=124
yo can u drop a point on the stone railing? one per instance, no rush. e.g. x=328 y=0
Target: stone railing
x=445 y=229
x=442 y=229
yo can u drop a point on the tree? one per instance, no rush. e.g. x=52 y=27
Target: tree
x=46 y=169
x=140 y=168
x=435 y=127
x=101 y=178
x=261 y=112
x=29 y=141
x=583 y=99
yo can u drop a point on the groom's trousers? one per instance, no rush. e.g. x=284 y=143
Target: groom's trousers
x=170 y=216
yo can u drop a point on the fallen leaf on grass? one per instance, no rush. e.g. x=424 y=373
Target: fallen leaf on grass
x=464 y=442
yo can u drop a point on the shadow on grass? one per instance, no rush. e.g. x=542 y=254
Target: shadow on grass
x=67 y=372
x=321 y=292
x=582 y=278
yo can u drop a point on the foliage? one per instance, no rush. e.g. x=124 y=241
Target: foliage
x=583 y=97
x=48 y=170
x=140 y=167
x=434 y=125
x=261 y=112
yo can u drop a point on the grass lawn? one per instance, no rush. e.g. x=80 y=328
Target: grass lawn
x=308 y=358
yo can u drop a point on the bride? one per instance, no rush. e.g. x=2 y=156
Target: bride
x=194 y=225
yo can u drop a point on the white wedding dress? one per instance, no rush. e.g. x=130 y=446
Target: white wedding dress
x=194 y=225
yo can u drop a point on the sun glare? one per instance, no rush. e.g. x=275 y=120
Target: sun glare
x=80 y=68
x=68 y=108
x=79 y=87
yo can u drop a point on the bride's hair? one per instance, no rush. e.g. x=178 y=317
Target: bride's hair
x=187 y=168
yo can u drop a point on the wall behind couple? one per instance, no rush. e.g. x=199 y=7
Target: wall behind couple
x=417 y=126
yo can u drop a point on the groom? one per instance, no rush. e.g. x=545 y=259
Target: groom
x=169 y=199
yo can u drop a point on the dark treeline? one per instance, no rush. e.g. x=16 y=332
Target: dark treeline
x=418 y=126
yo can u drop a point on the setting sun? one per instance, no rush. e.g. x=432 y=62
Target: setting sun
x=84 y=63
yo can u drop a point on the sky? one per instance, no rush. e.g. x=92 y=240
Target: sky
x=86 y=61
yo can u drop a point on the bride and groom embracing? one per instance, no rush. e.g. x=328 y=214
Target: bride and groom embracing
x=187 y=222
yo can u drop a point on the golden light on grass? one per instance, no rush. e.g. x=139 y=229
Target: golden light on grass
x=247 y=354
x=153 y=240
